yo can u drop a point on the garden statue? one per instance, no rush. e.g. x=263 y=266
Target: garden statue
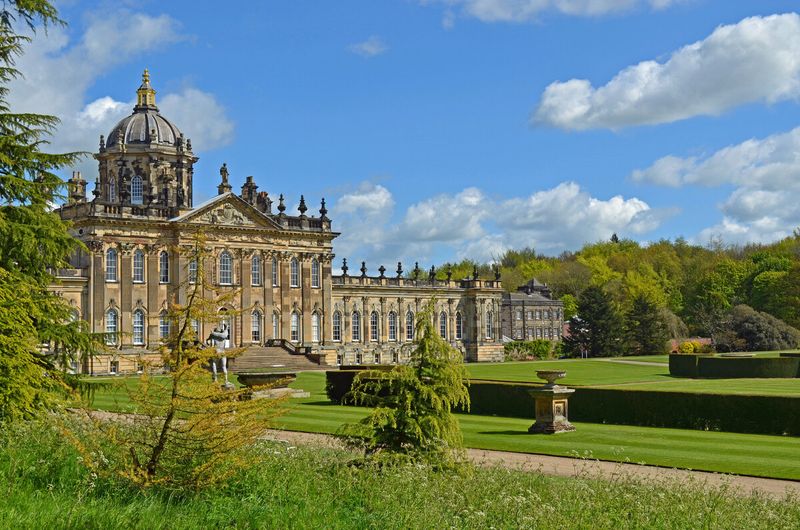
x=220 y=337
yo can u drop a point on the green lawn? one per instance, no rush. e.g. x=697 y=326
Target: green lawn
x=615 y=373
x=759 y=455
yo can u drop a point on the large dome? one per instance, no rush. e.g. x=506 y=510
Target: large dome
x=145 y=125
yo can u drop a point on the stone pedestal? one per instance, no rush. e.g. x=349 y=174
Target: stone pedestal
x=552 y=406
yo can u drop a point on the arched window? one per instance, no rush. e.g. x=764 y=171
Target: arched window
x=138 y=327
x=314 y=273
x=255 y=270
x=274 y=272
x=294 y=273
x=459 y=326
x=314 y=327
x=111 y=265
x=138 y=266
x=255 y=326
x=392 y=326
x=136 y=190
x=489 y=324
x=337 y=326
x=111 y=327
x=192 y=267
x=373 y=326
x=409 y=325
x=225 y=268
x=295 y=327
x=276 y=326
x=443 y=324
x=163 y=267
x=355 y=327
x=112 y=189
x=163 y=325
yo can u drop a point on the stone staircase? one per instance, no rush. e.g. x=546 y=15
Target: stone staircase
x=271 y=359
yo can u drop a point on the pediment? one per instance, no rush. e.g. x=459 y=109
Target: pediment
x=227 y=210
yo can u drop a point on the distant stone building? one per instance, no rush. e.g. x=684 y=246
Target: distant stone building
x=288 y=304
x=531 y=313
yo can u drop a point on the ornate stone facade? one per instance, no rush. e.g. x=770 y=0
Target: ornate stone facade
x=279 y=265
x=531 y=313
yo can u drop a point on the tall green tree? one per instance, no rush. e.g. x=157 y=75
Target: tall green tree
x=33 y=240
x=646 y=328
x=412 y=419
x=598 y=329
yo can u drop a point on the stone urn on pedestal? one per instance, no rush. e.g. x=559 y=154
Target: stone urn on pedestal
x=551 y=404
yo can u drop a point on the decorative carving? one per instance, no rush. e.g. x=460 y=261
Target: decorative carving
x=226 y=215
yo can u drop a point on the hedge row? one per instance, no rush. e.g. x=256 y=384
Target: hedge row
x=682 y=365
x=338 y=382
x=680 y=410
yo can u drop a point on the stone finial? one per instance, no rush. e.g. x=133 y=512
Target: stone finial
x=475 y=273
x=302 y=208
x=323 y=212
x=344 y=267
x=382 y=270
x=497 y=273
x=363 y=269
x=102 y=142
x=189 y=144
x=416 y=270
x=224 y=186
x=399 y=269
x=449 y=273
x=281 y=206
x=432 y=273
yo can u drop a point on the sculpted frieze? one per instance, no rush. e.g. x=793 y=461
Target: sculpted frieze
x=225 y=215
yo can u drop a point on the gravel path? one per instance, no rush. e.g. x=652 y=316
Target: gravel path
x=572 y=467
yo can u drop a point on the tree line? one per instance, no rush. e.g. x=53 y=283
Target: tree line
x=688 y=289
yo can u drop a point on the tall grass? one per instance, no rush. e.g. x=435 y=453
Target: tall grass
x=44 y=485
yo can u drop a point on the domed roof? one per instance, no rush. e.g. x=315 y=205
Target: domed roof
x=145 y=125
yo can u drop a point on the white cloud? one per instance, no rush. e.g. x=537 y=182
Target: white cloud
x=766 y=175
x=470 y=224
x=58 y=74
x=526 y=10
x=755 y=60
x=369 y=48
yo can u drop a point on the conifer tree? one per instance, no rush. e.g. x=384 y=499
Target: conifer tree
x=33 y=239
x=597 y=330
x=412 y=419
x=647 y=330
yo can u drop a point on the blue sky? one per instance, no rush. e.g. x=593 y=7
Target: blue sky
x=443 y=129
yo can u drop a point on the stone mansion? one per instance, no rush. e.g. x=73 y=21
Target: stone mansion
x=278 y=264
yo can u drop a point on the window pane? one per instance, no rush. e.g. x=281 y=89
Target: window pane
x=138 y=266
x=136 y=190
x=409 y=326
x=315 y=327
x=255 y=275
x=193 y=270
x=295 y=327
x=111 y=265
x=392 y=326
x=225 y=269
x=356 y=327
x=337 y=326
x=255 y=325
x=443 y=324
x=111 y=327
x=274 y=272
x=163 y=267
x=138 y=327
x=373 y=326
x=314 y=273
x=294 y=279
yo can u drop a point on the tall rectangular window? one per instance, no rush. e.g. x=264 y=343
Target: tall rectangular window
x=314 y=273
x=337 y=326
x=225 y=268
x=294 y=273
x=276 y=326
x=274 y=272
x=163 y=264
x=255 y=272
x=255 y=326
x=192 y=270
x=373 y=326
x=111 y=265
x=392 y=326
x=315 y=327
x=409 y=326
x=295 y=323
x=138 y=266
x=138 y=327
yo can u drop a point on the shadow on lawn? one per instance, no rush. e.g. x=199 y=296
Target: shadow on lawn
x=511 y=433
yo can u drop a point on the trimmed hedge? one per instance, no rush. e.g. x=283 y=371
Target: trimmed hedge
x=678 y=410
x=682 y=365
